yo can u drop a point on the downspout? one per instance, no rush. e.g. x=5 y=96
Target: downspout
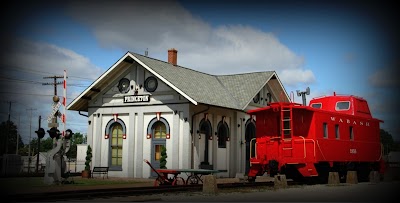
x=82 y=114
x=89 y=122
x=191 y=127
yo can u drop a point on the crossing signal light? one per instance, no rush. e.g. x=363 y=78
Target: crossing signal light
x=68 y=134
x=54 y=132
x=40 y=133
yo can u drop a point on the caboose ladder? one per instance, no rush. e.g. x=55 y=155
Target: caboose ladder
x=287 y=124
x=286 y=131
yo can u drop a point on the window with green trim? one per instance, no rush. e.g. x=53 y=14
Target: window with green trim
x=160 y=130
x=116 y=145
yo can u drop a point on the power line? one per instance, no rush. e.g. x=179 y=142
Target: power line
x=19 y=93
x=19 y=80
x=22 y=69
x=36 y=82
x=55 y=83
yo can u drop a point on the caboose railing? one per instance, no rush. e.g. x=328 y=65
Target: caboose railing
x=304 y=145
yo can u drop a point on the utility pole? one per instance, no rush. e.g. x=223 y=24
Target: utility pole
x=30 y=135
x=55 y=83
x=38 y=151
x=19 y=126
x=8 y=126
x=56 y=99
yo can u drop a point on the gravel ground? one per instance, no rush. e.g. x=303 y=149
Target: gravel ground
x=361 y=192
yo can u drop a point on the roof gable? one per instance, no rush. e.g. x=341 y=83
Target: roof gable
x=229 y=91
x=243 y=87
x=201 y=87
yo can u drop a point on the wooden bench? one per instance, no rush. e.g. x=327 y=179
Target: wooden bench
x=100 y=170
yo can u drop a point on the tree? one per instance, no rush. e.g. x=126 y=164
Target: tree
x=387 y=141
x=163 y=159
x=77 y=138
x=47 y=144
x=8 y=138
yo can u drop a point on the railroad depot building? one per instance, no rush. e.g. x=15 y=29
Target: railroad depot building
x=140 y=104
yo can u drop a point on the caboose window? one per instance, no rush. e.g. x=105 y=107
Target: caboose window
x=337 y=132
x=351 y=133
x=316 y=105
x=342 y=105
x=325 y=128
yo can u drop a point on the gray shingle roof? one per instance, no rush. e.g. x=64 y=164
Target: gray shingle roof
x=230 y=91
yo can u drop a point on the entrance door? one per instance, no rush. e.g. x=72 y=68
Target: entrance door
x=205 y=129
x=250 y=145
x=159 y=132
x=156 y=155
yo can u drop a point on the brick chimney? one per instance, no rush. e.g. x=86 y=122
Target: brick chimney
x=172 y=56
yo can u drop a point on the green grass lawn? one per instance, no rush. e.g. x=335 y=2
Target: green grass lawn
x=37 y=183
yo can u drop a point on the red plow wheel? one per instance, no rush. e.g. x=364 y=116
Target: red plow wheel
x=157 y=182
x=192 y=180
x=179 y=181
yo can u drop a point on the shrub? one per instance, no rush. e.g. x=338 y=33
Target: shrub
x=88 y=158
x=163 y=159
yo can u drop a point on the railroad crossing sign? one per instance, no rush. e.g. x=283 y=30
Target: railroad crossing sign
x=55 y=107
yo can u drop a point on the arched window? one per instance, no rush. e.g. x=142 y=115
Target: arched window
x=205 y=128
x=116 y=145
x=249 y=135
x=117 y=131
x=223 y=134
x=159 y=130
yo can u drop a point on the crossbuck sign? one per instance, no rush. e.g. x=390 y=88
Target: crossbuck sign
x=56 y=106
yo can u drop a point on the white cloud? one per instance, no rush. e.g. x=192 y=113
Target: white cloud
x=137 y=25
x=24 y=67
x=160 y=25
x=295 y=76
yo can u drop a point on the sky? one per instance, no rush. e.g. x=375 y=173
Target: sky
x=347 y=47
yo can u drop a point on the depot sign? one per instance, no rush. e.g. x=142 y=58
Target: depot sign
x=136 y=98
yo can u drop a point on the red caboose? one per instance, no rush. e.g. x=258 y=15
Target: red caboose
x=333 y=133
